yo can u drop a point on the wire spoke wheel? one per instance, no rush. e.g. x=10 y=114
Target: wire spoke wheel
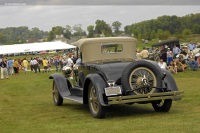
x=58 y=100
x=93 y=100
x=142 y=80
x=96 y=109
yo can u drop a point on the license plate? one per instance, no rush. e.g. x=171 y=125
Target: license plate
x=110 y=91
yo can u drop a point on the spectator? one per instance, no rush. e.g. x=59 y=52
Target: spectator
x=35 y=65
x=175 y=51
x=193 y=64
x=191 y=46
x=10 y=66
x=163 y=55
x=45 y=64
x=198 y=61
x=31 y=64
x=74 y=59
x=138 y=55
x=69 y=61
x=56 y=62
x=183 y=52
x=183 y=62
x=144 y=53
x=25 y=65
x=38 y=65
x=61 y=63
x=162 y=64
x=16 y=66
x=185 y=57
x=172 y=67
x=169 y=56
x=4 y=70
x=64 y=61
x=191 y=54
x=78 y=61
x=156 y=55
x=180 y=67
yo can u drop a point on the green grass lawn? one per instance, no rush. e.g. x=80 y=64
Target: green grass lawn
x=26 y=106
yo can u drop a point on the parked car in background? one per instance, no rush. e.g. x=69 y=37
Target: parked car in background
x=109 y=75
x=52 y=52
x=43 y=52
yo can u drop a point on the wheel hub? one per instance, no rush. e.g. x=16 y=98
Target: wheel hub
x=142 y=81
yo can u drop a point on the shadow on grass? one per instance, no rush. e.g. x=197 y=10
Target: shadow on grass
x=115 y=111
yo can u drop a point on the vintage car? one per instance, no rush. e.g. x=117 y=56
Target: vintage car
x=109 y=74
x=163 y=46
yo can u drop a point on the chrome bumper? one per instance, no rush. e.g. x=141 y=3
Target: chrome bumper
x=174 y=95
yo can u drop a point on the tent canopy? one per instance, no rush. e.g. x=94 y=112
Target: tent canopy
x=32 y=47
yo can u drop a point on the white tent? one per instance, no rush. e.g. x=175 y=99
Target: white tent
x=32 y=47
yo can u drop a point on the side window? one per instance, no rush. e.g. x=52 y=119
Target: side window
x=111 y=48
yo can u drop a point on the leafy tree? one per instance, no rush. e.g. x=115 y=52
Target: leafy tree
x=67 y=32
x=153 y=34
x=58 y=30
x=2 y=39
x=50 y=36
x=186 y=32
x=128 y=30
x=116 y=26
x=196 y=29
x=36 y=33
x=163 y=34
x=68 y=27
x=90 y=30
x=102 y=28
x=78 y=31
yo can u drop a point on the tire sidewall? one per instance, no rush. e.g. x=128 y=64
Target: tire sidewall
x=141 y=63
x=101 y=109
x=59 y=100
x=165 y=107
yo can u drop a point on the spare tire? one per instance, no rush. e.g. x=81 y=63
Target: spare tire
x=134 y=74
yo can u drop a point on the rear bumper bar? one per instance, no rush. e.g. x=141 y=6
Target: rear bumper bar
x=174 y=95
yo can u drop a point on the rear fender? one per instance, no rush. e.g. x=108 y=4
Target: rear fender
x=62 y=83
x=169 y=80
x=99 y=84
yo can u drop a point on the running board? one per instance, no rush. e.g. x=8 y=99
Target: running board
x=77 y=99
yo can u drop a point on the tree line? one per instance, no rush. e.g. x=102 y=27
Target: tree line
x=162 y=28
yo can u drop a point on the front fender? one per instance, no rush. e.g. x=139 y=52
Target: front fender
x=99 y=84
x=61 y=83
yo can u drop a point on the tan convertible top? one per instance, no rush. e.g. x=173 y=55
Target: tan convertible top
x=91 y=48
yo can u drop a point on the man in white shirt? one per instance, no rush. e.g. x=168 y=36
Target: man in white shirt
x=70 y=61
x=35 y=64
x=162 y=64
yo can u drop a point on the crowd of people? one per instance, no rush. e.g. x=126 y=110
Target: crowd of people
x=173 y=59
x=13 y=66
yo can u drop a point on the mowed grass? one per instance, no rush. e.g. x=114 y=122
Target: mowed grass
x=26 y=106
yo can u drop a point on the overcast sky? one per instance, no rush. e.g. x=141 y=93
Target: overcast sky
x=46 y=16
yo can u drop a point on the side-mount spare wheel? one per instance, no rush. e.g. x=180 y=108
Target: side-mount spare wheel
x=57 y=98
x=141 y=77
x=96 y=109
